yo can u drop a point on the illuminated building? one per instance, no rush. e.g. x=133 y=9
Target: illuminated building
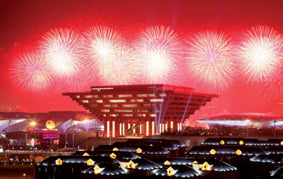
x=141 y=110
x=259 y=120
x=42 y=129
x=108 y=161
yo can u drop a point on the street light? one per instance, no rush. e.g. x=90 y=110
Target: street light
x=274 y=128
x=87 y=122
x=74 y=127
x=32 y=124
x=73 y=138
x=247 y=123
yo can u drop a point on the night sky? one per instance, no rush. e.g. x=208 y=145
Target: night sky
x=22 y=22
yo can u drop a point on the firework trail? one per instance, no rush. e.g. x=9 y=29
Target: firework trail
x=210 y=60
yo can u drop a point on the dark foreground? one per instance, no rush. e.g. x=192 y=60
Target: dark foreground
x=17 y=172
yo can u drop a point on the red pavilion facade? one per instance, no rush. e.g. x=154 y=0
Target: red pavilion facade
x=141 y=110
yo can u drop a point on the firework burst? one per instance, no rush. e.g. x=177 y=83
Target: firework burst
x=62 y=51
x=29 y=72
x=100 y=46
x=210 y=59
x=158 y=51
x=261 y=53
x=122 y=68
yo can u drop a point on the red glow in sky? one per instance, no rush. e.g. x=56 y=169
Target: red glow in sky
x=23 y=23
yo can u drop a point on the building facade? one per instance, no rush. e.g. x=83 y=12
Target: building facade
x=141 y=110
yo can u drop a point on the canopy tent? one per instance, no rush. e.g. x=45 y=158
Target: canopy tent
x=8 y=124
x=23 y=125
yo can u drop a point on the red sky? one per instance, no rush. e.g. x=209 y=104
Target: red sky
x=23 y=21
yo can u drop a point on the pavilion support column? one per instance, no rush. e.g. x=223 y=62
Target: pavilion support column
x=129 y=125
x=114 y=128
x=172 y=126
x=111 y=128
x=140 y=128
x=161 y=127
x=153 y=128
x=179 y=126
x=107 y=128
x=146 y=128
x=121 y=128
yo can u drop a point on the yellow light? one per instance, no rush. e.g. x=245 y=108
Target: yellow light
x=238 y=152
x=222 y=142
x=139 y=150
x=171 y=171
x=85 y=154
x=59 y=162
x=50 y=124
x=131 y=165
x=115 y=149
x=205 y=166
x=241 y=142
x=212 y=151
x=281 y=143
x=33 y=123
x=112 y=155
x=90 y=162
x=167 y=162
x=97 y=169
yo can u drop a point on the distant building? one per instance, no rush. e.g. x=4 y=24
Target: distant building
x=44 y=129
x=259 y=120
x=141 y=109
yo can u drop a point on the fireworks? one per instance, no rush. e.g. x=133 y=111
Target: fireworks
x=158 y=51
x=109 y=57
x=101 y=55
x=29 y=72
x=260 y=53
x=210 y=59
x=61 y=48
x=100 y=46
x=121 y=68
